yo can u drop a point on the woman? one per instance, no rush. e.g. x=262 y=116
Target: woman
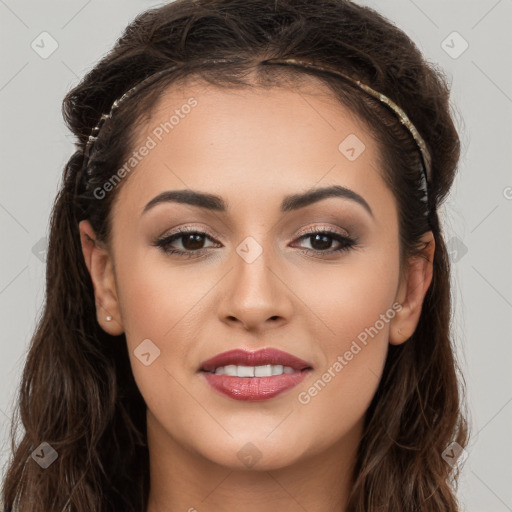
x=248 y=290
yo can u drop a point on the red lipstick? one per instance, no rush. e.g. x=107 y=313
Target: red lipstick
x=263 y=374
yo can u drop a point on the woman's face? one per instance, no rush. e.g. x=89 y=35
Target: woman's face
x=264 y=272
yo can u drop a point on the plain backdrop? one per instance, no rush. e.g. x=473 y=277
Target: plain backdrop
x=46 y=47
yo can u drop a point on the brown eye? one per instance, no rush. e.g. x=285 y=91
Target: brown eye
x=322 y=240
x=192 y=243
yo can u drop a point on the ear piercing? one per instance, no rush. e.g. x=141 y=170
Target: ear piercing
x=108 y=318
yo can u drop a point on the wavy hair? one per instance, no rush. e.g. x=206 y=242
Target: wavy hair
x=77 y=391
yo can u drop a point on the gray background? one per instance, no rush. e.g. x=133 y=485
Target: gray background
x=477 y=217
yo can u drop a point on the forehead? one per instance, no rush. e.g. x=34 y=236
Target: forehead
x=248 y=142
x=297 y=109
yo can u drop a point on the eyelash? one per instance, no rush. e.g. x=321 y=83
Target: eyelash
x=164 y=242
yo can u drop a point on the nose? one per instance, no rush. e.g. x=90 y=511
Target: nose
x=257 y=293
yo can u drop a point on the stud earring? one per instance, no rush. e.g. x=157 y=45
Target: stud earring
x=108 y=318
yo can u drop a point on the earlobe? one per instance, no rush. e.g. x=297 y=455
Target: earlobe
x=99 y=263
x=412 y=291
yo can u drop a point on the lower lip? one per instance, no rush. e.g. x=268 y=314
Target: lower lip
x=254 y=388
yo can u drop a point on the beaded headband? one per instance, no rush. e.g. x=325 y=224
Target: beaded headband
x=425 y=155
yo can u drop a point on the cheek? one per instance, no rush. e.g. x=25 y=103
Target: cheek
x=158 y=305
x=354 y=306
x=333 y=403
x=155 y=299
x=166 y=305
x=344 y=300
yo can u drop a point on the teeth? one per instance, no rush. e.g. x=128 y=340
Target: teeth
x=267 y=370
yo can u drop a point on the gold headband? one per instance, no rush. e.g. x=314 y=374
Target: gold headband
x=426 y=159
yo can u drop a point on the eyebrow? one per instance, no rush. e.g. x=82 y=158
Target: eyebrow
x=289 y=203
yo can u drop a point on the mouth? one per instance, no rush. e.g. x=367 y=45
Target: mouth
x=253 y=376
x=267 y=370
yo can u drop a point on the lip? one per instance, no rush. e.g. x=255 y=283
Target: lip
x=261 y=357
x=254 y=388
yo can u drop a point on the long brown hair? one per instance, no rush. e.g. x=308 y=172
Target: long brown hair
x=77 y=391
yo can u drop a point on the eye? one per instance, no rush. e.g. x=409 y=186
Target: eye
x=192 y=242
x=321 y=240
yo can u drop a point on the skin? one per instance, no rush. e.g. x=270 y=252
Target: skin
x=252 y=148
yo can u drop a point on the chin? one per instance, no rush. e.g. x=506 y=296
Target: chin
x=257 y=453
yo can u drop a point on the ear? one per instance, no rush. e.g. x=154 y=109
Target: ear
x=411 y=292
x=100 y=265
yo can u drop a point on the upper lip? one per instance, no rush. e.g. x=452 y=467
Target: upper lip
x=259 y=358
